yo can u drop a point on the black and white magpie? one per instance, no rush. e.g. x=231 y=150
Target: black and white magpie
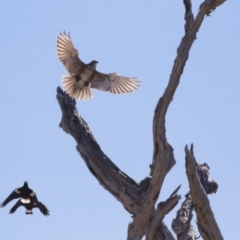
x=28 y=199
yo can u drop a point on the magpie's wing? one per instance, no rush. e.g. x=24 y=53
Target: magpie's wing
x=33 y=197
x=43 y=209
x=114 y=83
x=68 y=54
x=15 y=194
x=15 y=207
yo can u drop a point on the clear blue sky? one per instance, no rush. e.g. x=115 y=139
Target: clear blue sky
x=133 y=38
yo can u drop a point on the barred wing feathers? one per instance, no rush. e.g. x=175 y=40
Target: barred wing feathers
x=68 y=54
x=114 y=83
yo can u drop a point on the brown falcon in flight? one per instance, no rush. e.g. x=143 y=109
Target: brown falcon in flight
x=84 y=76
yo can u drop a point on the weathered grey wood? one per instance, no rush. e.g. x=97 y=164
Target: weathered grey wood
x=189 y=17
x=209 y=185
x=181 y=225
x=119 y=184
x=163 y=233
x=163 y=209
x=160 y=164
x=140 y=199
x=208 y=6
x=207 y=224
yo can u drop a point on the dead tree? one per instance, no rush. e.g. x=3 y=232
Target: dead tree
x=139 y=199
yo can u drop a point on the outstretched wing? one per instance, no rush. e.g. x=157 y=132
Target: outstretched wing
x=15 y=207
x=43 y=209
x=15 y=194
x=114 y=83
x=67 y=54
x=33 y=197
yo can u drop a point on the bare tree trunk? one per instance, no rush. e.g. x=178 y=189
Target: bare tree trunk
x=140 y=199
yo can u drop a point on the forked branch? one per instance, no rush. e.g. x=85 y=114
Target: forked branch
x=161 y=162
x=140 y=199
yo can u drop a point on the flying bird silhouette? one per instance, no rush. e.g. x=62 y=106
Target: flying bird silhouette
x=29 y=205
x=83 y=76
x=28 y=199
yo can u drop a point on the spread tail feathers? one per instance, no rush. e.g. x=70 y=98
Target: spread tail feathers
x=75 y=90
x=29 y=212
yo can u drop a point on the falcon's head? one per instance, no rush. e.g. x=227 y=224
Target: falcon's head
x=93 y=64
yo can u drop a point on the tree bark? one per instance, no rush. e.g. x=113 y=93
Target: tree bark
x=207 y=224
x=163 y=209
x=160 y=164
x=140 y=199
x=119 y=184
x=181 y=224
